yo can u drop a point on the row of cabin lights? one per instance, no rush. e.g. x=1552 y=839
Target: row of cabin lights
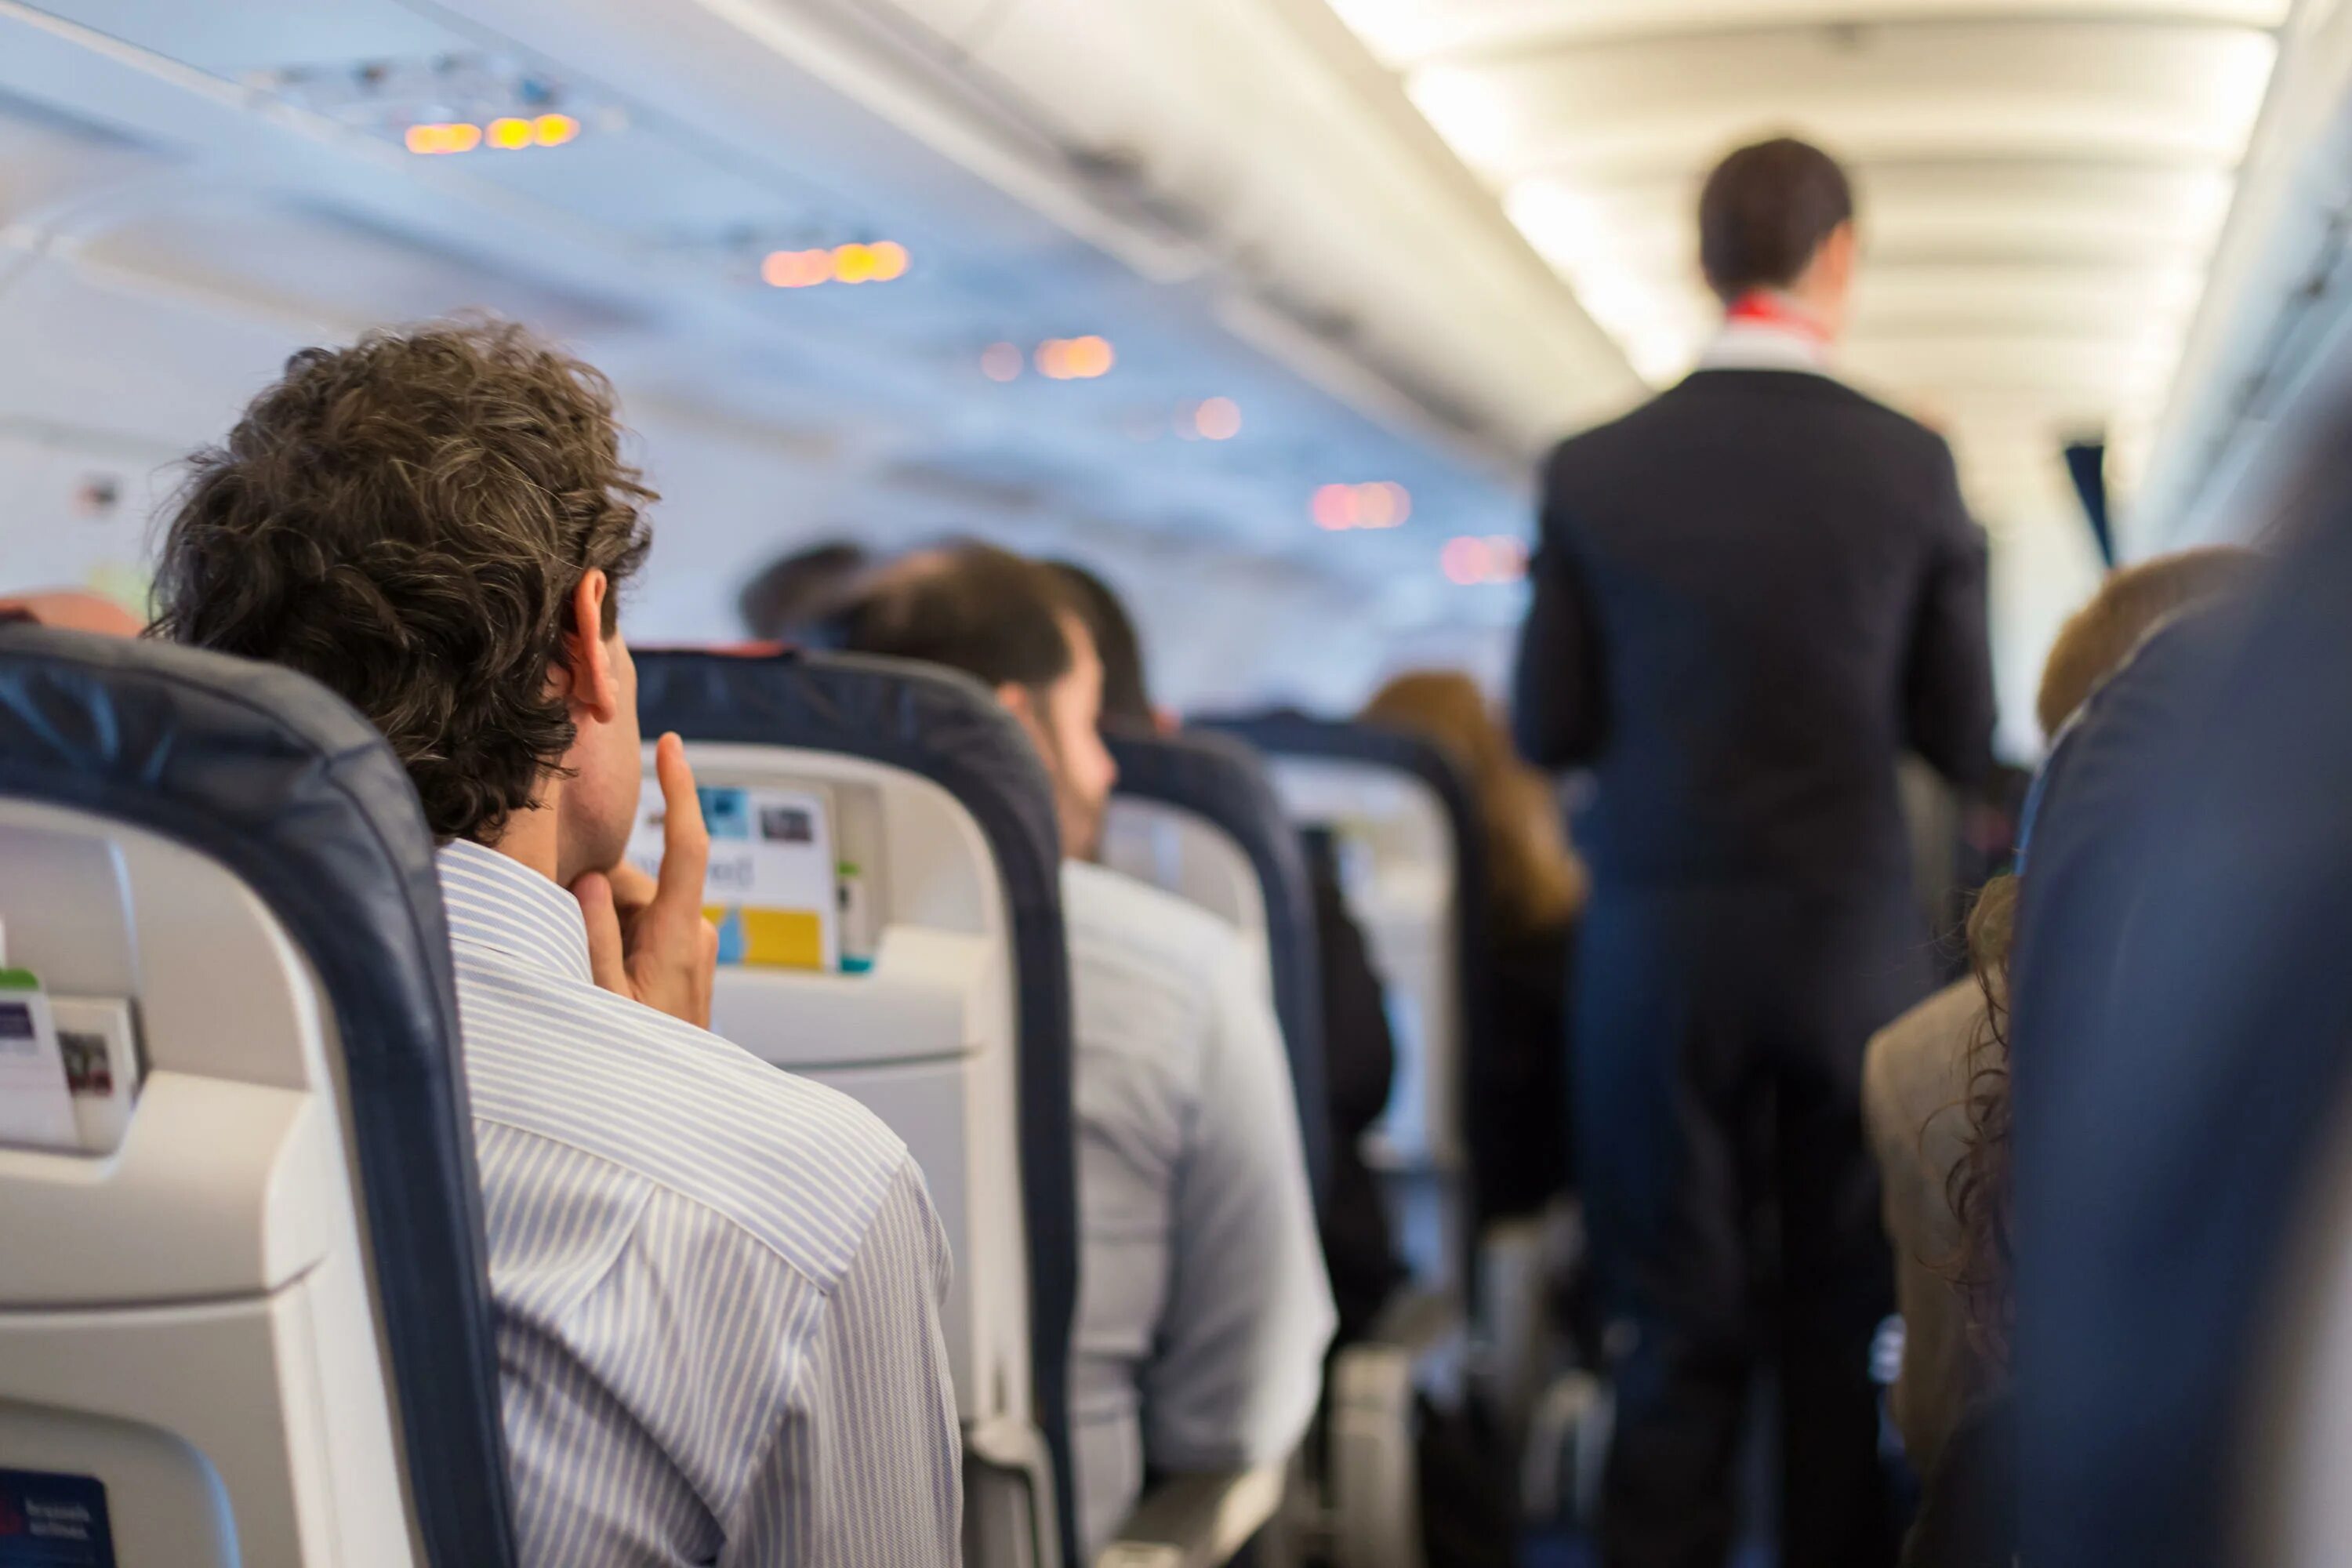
x=511 y=133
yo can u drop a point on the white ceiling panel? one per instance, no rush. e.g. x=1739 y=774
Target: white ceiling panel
x=2041 y=182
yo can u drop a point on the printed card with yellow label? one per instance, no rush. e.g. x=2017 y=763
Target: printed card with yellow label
x=772 y=888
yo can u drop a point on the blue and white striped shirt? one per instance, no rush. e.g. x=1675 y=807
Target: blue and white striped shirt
x=718 y=1285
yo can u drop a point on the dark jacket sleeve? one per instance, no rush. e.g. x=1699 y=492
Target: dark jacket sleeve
x=1557 y=716
x=1947 y=695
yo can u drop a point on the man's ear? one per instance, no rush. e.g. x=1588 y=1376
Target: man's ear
x=590 y=684
x=1021 y=702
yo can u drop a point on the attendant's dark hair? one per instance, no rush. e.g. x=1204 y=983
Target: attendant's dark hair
x=1126 y=697
x=971 y=606
x=406 y=521
x=1765 y=211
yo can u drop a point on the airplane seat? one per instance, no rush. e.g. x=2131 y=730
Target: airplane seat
x=1407 y=821
x=1198 y=816
x=245 y=1314
x=886 y=874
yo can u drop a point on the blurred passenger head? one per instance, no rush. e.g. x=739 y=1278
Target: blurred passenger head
x=794 y=595
x=1537 y=883
x=1126 y=699
x=2130 y=603
x=1006 y=621
x=73 y=610
x=436 y=522
x=1779 y=214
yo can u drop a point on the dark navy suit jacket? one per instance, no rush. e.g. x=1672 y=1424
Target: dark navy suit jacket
x=1750 y=595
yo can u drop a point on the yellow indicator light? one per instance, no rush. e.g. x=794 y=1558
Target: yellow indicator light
x=853 y=263
x=509 y=135
x=891 y=260
x=554 y=130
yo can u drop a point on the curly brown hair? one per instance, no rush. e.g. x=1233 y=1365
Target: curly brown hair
x=1978 y=1186
x=406 y=521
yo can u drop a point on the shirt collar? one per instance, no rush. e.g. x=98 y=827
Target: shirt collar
x=493 y=901
x=1769 y=337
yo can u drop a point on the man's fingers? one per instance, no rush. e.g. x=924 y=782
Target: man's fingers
x=608 y=962
x=685 y=843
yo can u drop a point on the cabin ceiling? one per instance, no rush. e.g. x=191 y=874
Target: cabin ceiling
x=2042 y=181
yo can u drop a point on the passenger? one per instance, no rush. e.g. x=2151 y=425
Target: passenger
x=1202 y=1310
x=1536 y=888
x=1358 y=1052
x=1750 y=595
x=794 y=598
x=718 y=1288
x=1935 y=1081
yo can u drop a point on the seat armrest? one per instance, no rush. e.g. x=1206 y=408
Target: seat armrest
x=1197 y=1521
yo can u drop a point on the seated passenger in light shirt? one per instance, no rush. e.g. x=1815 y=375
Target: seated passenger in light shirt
x=718 y=1287
x=1204 y=1310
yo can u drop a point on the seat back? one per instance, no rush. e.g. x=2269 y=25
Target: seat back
x=248 y=1322
x=1198 y=815
x=1407 y=825
x=886 y=870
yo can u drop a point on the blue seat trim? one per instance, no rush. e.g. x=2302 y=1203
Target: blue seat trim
x=281 y=781
x=1223 y=779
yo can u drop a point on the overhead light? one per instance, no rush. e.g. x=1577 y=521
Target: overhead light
x=443 y=137
x=1339 y=508
x=1217 y=419
x=796 y=269
x=1075 y=359
x=1002 y=361
x=1468 y=560
x=881 y=262
x=508 y=133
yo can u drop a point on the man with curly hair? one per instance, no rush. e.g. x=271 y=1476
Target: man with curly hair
x=718 y=1287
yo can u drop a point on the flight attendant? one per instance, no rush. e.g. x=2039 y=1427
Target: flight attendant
x=1750 y=595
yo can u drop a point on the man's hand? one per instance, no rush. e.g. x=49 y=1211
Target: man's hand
x=647 y=939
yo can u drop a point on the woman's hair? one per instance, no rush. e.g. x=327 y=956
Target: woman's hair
x=406 y=521
x=1537 y=881
x=1979 y=1187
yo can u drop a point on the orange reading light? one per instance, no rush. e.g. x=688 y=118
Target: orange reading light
x=554 y=130
x=509 y=135
x=1075 y=359
x=458 y=137
x=891 y=260
x=796 y=269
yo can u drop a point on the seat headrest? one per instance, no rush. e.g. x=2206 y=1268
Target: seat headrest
x=278 y=780
x=947 y=728
x=1219 y=778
